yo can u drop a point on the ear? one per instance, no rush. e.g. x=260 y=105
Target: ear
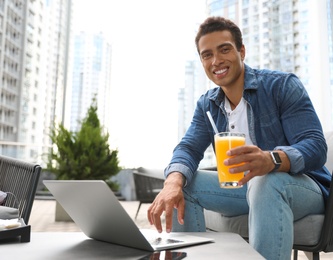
x=242 y=52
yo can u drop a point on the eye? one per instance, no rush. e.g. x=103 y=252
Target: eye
x=225 y=50
x=206 y=56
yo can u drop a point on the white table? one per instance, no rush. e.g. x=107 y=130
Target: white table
x=76 y=245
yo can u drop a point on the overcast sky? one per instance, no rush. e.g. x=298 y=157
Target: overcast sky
x=151 y=40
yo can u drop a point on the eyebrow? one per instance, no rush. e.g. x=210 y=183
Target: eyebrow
x=218 y=47
x=225 y=44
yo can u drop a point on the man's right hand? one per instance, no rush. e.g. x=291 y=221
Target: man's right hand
x=170 y=197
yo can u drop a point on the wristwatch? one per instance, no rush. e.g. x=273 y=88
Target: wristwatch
x=276 y=160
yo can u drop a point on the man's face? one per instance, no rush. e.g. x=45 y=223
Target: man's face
x=221 y=60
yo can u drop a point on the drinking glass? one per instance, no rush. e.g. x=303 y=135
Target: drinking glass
x=225 y=141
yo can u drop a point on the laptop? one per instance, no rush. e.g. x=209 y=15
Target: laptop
x=96 y=210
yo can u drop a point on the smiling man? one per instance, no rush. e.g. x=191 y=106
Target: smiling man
x=273 y=109
x=218 y=46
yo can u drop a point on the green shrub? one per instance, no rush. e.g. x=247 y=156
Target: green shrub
x=83 y=155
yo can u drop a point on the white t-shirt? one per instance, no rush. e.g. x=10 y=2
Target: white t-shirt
x=238 y=119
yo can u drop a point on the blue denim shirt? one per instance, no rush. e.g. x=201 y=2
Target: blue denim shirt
x=280 y=117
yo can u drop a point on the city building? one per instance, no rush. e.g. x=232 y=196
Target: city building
x=195 y=85
x=34 y=42
x=91 y=77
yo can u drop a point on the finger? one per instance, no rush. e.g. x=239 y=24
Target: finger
x=243 y=168
x=181 y=212
x=246 y=178
x=244 y=149
x=149 y=214
x=168 y=218
x=151 y=211
x=154 y=216
x=239 y=160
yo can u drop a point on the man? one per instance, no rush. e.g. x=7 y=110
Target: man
x=274 y=111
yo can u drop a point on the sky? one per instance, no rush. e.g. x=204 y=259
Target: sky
x=151 y=40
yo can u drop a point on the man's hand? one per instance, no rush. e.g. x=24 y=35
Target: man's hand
x=256 y=161
x=169 y=198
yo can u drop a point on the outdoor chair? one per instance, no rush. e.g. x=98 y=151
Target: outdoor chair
x=147 y=187
x=20 y=180
x=325 y=233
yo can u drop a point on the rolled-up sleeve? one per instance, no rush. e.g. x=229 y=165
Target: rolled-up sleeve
x=295 y=157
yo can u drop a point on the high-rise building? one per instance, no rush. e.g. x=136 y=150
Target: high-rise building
x=91 y=77
x=195 y=85
x=34 y=42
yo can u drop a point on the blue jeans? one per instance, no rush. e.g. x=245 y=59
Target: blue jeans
x=273 y=202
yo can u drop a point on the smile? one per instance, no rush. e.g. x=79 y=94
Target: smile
x=219 y=72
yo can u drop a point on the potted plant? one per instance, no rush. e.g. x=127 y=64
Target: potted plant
x=83 y=155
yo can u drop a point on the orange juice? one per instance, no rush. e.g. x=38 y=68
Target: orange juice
x=224 y=142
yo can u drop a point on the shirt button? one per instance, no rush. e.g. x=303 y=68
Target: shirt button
x=232 y=127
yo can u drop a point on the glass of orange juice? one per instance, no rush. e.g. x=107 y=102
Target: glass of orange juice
x=224 y=141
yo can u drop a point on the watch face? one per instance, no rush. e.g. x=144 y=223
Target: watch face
x=277 y=158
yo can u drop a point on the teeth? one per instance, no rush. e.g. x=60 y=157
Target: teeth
x=220 y=71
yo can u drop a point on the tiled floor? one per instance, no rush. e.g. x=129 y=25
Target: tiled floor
x=42 y=219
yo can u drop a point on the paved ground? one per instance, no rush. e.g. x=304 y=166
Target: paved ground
x=42 y=219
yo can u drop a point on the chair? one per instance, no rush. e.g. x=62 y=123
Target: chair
x=325 y=242
x=21 y=179
x=147 y=187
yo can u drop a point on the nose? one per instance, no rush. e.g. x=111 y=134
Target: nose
x=217 y=59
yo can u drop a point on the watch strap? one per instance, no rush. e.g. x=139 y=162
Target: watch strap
x=276 y=162
x=276 y=167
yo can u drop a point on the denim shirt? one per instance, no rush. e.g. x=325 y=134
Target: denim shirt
x=280 y=117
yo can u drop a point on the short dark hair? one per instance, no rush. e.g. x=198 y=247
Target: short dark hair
x=216 y=23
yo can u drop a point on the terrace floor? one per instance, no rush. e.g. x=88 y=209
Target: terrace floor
x=42 y=219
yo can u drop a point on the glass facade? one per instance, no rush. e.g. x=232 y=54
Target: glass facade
x=33 y=58
x=91 y=77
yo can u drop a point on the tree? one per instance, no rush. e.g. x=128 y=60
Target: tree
x=83 y=155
